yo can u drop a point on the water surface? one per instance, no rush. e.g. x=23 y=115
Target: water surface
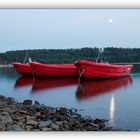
x=117 y=100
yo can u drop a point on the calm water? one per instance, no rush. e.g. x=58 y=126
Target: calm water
x=117 y=100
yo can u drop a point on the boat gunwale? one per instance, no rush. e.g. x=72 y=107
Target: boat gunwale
x=85 y=62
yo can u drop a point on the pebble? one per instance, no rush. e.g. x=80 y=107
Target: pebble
x=26 y=116
x=37 y=103
x=46 y=129
x=32 y=122
x=27 y=102
x=54 y=127
x=45 y=123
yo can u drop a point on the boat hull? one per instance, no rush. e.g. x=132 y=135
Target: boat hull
x=93 y=70
x=22 y=69
x=54 y=70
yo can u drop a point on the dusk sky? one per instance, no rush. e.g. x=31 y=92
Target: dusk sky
x=68 y=28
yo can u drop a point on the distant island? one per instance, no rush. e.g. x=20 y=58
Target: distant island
x=56 y=56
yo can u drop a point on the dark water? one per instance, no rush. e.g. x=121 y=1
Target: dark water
x=117 y=100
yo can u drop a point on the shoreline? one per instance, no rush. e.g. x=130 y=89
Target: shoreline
x=29 y=116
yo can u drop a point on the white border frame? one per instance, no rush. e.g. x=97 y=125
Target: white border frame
x=40 y=4
x=28 y=4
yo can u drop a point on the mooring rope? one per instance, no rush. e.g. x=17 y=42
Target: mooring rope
x=80 y=75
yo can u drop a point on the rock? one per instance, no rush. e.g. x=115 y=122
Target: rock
x=35 y=129
x=99 y=121
x=14 y=127
x=2 y=97
x=32 y=122
x=37 y=114
x=6 y=119
x=45 y=123
x=54 y=127
x=94 y=125
x=5 y=109
x=16 y=116
x=21 y=112
x=46 y=129
x=40 y=107
x=50 y=111
x=2 y=126
x=37 y=103
x=5 y=113
x=20 y=123
x=59 y=117
x=19 y=129
x=30 y=118
x=66 y=126
x=62 y=111
x=27 y=102
x=28 y=127
x=60 y=123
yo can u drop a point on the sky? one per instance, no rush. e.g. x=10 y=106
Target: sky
x=68 y=28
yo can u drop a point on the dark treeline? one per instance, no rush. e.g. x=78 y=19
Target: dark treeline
x=111 y=55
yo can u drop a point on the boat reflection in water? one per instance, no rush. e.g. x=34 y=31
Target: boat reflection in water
x=92 y=88
x=51 y=83
x=23 y=82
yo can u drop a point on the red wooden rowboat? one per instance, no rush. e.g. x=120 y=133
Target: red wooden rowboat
x=93 y=70
x=54 y=70
x=23 y=69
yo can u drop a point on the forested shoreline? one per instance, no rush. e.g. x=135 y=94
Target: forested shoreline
x=56 y=56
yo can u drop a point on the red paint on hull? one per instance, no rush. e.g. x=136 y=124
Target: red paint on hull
x=54 y=70
x=22 y=69
x=93 y=70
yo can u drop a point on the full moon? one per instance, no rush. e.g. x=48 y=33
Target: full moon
x=110 y=21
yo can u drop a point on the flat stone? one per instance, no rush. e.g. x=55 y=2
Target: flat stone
x=2 y=126
x=27 y=102
x=22 y=112
x=28 y=127
x=59 y=117
x=46 y=129
x=4 y=110
x=38 y=114
x=19 y=129
x=63 y=111
x=94 y=125
x=45 y=123
x=59 y=123
x=20 y=123
x=50 y=111
x=66 y=126
x=6 y=119
x=55 y=127
x=32 y=122
x=30 y=117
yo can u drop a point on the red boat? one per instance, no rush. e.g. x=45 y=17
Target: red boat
x=90 y=88
x=93 y=70
x=23 y=69
x=54 y=70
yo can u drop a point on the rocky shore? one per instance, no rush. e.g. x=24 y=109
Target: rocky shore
x=29 y=116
